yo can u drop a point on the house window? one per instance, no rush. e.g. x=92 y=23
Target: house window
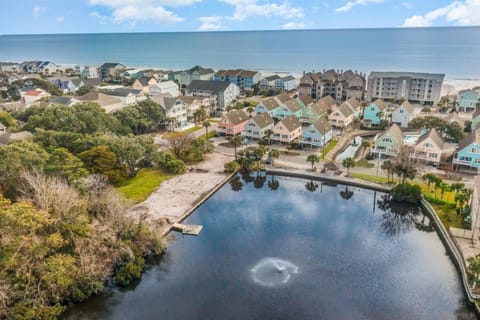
x=473 y=150
x=372 y=108
x=477 y=161
x=428 y=145
x=432 y=155
x=387 y=139
x=284 y=136
x=401 y=111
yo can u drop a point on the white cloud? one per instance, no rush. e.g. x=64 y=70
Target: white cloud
x=37 y=10
x=294 y=25
x=249 y=8
x=210 y=23
x=464 y=13
x=60 y=19
x=351 y=4
x=132 y=11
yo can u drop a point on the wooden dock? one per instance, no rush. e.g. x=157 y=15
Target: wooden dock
x=190 y=229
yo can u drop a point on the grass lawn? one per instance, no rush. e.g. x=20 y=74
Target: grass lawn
x=211 y=134
x=363 y=163
x=288 y=153
x=328 y=148
x=367 y=177
x=188 y=131
x=448 y=215
x=143 y=184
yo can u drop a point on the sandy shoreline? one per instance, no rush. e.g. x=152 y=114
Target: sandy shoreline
x=169 y=202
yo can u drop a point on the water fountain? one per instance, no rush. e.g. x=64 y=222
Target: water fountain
x=272 y=272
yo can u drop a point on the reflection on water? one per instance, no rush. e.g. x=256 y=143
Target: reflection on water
x=340 y=252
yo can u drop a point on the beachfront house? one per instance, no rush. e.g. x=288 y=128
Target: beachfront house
x=111 y=70
x=175 y=110
x=375 y=113
x=287 y=130
x=403 y=114
x=354 y=105
x=64 y=101
x=170 y=87
x=268 y=83
x=144 y=84
x=256 y=126
x=195 y=73
x=318 y=133
x=467 y=155
x=429 y=147
x=232 y=123
x=30 y=96
x=287 y=83
x=222 y=93
x=342 y=116
x=314 y=111
x=108 y=103
x=271 y=104
x=244 y=79
x=467 y=99
x=127 y=96
x=288 y=108
x=389 y=142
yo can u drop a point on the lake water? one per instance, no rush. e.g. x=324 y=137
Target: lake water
x=301 y=251
x=454 y=50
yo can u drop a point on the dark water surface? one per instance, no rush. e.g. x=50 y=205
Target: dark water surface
x=452 y=50
x=300 y=251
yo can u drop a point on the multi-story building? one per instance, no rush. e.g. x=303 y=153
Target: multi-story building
x=196 y=73
x=424 y=88
x=257 y=126
x=388 y=143
x=111 y=70
x=338 y=84
x=244 y=79
x=467 y=155
x=232 y=123
x=468 y=99
x=86 y=72
x=224 y=93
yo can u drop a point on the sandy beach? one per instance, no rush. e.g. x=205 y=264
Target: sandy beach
x=452 y=86
x=176 y=196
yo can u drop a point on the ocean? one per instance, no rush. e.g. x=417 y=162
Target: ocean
x=454 y=51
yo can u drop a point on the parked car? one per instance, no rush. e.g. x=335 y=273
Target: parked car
x=269 y=160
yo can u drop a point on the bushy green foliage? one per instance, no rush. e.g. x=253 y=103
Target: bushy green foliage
x=232 y=166
x=128 y=273
x=141 y=118
x=407 y=192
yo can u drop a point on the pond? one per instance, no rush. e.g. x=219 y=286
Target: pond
x=287 y=248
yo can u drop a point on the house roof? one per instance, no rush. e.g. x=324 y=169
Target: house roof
x=169 y=102
x=322 y=125
x=473 y=137
x=143 y=81
x=380 y=104
x=76 y=82
x=433 y=134
x=208 y=85
x=111 y=65
x=236 y=73
x=263 y=120
x=272 y=78
x=100 y=98
x=33 y=93
x=288 y=78
x=306 y=99
x=122 y=92
x=395 y=132
x=329 y=101
x=91 y=82
x=408 y=106
x=200 y=70
x=237 y=116
x=270 y=103
x=354 y=103
x=291 y=123
x=293 y=105
x=330 y=75
x=187 y=99
x=160 y=99
x=282 y=97
x=319 y=108
x=345 y=110
x=62 y=100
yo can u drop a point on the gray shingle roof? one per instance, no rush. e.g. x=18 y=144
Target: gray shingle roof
x=270 y=103
x=345 y=110
x=395 y=132
x=433 y=134
x=322 y=125
x=200 y=70
x=208 y=85
x=291 y=123
x=408 y=107
x=263 y=120
x=122 y=92
x=293 y=105
x=237 y=116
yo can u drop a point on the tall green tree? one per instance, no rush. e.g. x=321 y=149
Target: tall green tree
x=206 y=125
x=64 y=164
x=313 y=158
x=348 y=163
x=235 y=142
x=274 y=154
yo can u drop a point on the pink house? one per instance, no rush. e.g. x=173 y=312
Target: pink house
x=287 y=130
x=342 y=116
x=232 y=122
x=429 y=147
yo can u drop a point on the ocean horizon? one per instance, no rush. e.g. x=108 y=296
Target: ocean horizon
x=453 y=51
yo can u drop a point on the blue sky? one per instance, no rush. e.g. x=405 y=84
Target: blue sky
x=86 y=16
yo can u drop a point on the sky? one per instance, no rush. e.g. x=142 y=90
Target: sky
x=105 y=16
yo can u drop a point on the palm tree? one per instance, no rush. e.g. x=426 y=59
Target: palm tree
x=258 y=153
x=436 y=184
x=268 y=133
x=348 y=163
x=312 y=158
x=443 y=187
x=311 y=186
x=388 y=166
x=274 y=154
x=250 y=110
x=429 y=178
x=346 y=194
x=206 y=124
x=235 y=142
x=273 y=184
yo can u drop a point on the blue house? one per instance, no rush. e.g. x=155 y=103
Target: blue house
x=468 y=99
x=291 y=107
x=284 y=84
x=467 y=156
x=318 y=134
x=271 y=104
x=244 y=79
x=374 y=113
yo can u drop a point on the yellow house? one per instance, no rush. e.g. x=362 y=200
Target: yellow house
x=287 y=130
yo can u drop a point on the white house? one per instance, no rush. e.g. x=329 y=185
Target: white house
x=164 y=87
x=224 y=92
x=127 y=96
x=403 y=114
x=256 y=127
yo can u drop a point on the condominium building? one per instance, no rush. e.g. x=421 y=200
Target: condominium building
x=421 y=88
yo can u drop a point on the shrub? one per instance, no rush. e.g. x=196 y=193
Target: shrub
x=231 y=166
x=406 y=192
x=175 y=166
x=128 y=273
